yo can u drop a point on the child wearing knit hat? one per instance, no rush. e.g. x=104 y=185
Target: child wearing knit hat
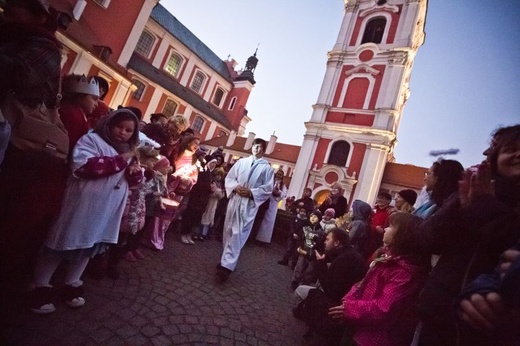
x=328 y=221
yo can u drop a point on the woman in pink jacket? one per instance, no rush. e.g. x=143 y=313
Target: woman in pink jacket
x=380 y=309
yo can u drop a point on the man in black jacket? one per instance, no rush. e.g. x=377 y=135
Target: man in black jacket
x=346 y=267
x=337 y=269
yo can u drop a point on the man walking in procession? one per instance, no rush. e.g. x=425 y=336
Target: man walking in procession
x=249 y=183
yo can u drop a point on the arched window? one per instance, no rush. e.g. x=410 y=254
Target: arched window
x=339 y=153
x=145 y=44
x=198 y=81
x=232 y=103
x=173 y=65
x=222 y=133
x=197 y=124
x=103 y=3
x=374 y=30
x=169 y=108
x=138 y=93
x=217 y=98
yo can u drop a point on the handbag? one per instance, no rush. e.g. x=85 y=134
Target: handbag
x=36 y=129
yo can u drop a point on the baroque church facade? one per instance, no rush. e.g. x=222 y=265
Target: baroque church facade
x=352 y=132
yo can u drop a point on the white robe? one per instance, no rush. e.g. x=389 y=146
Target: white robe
x=92 y=208
x=257 y=175
x=265 y=232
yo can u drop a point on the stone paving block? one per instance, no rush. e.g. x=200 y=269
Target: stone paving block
x=137 y=339
x=160 y=340
x=227 y=332
x=126 y=331
x=170 y=329
x=178 y=319
x=149 y=330
x=251 y=340
x=179 y=339
x=192 y=320
x=101 y=335
x=139 y=321
x=185 y=328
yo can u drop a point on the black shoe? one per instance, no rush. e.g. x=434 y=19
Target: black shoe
x=197 y=238
x=40 y=300
x=73 y=296
x=283 y=262
x=222 y=273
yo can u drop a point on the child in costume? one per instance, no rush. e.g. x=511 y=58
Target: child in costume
x=311 y=237
x=159 y=208
x=328 y=221
x=103 y=167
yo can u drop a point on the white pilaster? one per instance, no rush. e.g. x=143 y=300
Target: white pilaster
x=369 y=179
x=154 y=102
x=303 y=165
x=136 y=31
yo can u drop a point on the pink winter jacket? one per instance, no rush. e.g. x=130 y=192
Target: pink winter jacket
x=380 y=310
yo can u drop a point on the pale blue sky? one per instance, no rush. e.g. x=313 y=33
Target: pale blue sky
x=465 y=80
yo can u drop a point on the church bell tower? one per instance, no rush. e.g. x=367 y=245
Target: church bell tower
x=353 y=128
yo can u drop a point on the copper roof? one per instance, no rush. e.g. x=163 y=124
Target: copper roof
x=282 y=152
x=404 y=175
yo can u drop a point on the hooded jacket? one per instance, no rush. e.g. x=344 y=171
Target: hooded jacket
x=360 y=226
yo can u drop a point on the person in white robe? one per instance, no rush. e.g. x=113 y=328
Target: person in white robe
x=248 y=184
x=265 y=232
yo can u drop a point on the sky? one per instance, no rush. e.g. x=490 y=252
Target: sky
x=465 y=81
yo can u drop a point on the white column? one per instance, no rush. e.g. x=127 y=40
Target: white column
x=303 y=165
x=372 y=168
x=161 y=51
x=154 y=101
x=211 y=130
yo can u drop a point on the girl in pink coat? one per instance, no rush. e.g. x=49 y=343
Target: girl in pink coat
x=380 y=310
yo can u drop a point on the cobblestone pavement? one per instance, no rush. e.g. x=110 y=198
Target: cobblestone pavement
x=171 y=298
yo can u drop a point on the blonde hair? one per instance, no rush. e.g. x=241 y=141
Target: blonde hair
x=179 y=121
x=407 y=208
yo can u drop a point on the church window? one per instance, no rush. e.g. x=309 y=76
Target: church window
x=138 y=93
x=103 y=3
x=217 y=98
x=169 y=108
x=173 y=65
x=374 y=30
x=197 y=124
x=197 y=82
x=145 y=44
x=232 y=103
x=339 y=153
